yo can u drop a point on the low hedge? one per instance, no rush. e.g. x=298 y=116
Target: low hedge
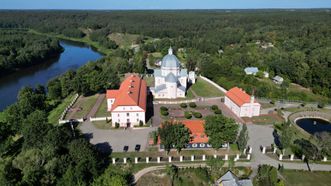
x=197 y=114
x=214 y=107
x=183 y=105
x=164 y=113
x=163 y=108
x=218 y=111
x=192 y=105
x=187 y=115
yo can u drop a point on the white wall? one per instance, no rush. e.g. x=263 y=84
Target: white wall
x=128 y=117
x=246 y=110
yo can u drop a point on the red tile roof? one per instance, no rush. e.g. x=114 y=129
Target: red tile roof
x=132 y=92
x=238 y=96
x=197 y=130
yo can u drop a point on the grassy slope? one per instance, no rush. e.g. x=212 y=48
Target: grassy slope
x=305 y=178
x=123 y=40
x=55 y=114
x=204 y=89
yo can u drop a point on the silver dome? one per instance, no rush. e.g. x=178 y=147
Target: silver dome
x=170 y=60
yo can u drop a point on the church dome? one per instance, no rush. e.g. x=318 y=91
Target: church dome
x=170 y=60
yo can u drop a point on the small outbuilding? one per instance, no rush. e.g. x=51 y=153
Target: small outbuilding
x=229 y=179
x=278 y=80
x=251 y=70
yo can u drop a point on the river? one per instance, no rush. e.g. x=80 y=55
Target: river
x=74 y=55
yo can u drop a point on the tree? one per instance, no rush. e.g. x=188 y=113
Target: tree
x=172 y=171
x=34 y=129
x=220 y=130
x=306 y=148
x=266 y=176
x=286 y=137
x=174 y=135
x=113 y=176
x=242 y=138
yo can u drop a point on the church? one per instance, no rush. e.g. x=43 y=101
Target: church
x=171 y=80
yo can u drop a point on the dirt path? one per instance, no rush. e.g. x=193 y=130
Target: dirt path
x=74 y=108
x=96 y=106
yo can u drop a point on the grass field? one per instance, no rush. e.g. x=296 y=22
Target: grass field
x=123 y=40
x=267 y=119
x=85 y=104
x=102 y=124
x=55 y=114
x=204 y=89
x=305 y=178
x=102 y=111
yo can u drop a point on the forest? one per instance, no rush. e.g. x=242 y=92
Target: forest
x=20 y=49
x=219 y=43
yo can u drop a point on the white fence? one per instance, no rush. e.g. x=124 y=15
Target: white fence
x=100 y=119
x=213 y=83
x=67 y=121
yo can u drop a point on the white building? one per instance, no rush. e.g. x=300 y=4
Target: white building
x=251 y=70
x=241 y=104
x=128 y=104
x=171 y=80
x=278 y=80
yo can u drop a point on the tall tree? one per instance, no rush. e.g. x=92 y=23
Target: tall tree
x=242 y=138
x=220 y=130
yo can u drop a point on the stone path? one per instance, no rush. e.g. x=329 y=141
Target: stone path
x=96 y=106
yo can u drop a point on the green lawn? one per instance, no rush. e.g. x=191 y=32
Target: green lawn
x=305 y=178
x=204 y=89
x=102 y=111
x=86 y=104
x=102 y=124
x=123 y=40
x=55 y=114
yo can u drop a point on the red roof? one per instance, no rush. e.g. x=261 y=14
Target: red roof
x=132 y=92
x=238 y=96
x=197 y=130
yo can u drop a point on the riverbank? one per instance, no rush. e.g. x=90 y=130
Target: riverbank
x=95 y=45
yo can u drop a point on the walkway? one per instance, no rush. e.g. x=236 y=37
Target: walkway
x=96 y=106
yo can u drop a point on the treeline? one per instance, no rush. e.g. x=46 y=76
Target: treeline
x=301 y=40
x=20 y=49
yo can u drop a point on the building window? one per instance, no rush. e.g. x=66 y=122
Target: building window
x=137 y=115
x=118 y=120
x=118 y=115
x=127 y=114
x=137 y=120
x=128 y=120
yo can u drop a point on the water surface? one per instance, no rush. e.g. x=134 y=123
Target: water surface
x=312 y=126
x=74 y=55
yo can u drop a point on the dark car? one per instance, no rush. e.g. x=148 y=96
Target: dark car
x=137 y=148
x=126 y=148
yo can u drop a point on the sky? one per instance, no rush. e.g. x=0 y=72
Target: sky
x=162 y=4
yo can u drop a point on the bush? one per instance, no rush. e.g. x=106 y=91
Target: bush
x=183 y=105
x=141 y=123
x=192 y=105
x=164 y=113
x=197 y=115
x=214 y=107
x=321 y=105
x=163 y=108
x=188 y=115
x=218 y=111
x=117 y=125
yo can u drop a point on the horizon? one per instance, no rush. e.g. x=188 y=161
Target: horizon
x=163 y=4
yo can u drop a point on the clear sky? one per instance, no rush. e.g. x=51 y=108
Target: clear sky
x=162 y=4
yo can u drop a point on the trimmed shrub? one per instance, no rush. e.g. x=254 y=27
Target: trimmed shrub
x=188 y=115
x=197 y=114
x=214 y=107
x=192 y=105
x=117 y=125
x=321 y=105
x=163 y=108
x=218 y=111
x=183 y=105
x=141 y=123
x=164 y=113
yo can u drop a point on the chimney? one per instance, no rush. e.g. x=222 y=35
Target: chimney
x=252 y=99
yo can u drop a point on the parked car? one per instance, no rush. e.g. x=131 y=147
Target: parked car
x=126 y=148
x=137 y=148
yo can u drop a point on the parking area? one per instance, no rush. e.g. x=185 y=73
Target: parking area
x=114 y=140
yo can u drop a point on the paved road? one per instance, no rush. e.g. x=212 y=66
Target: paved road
x=113 y=140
